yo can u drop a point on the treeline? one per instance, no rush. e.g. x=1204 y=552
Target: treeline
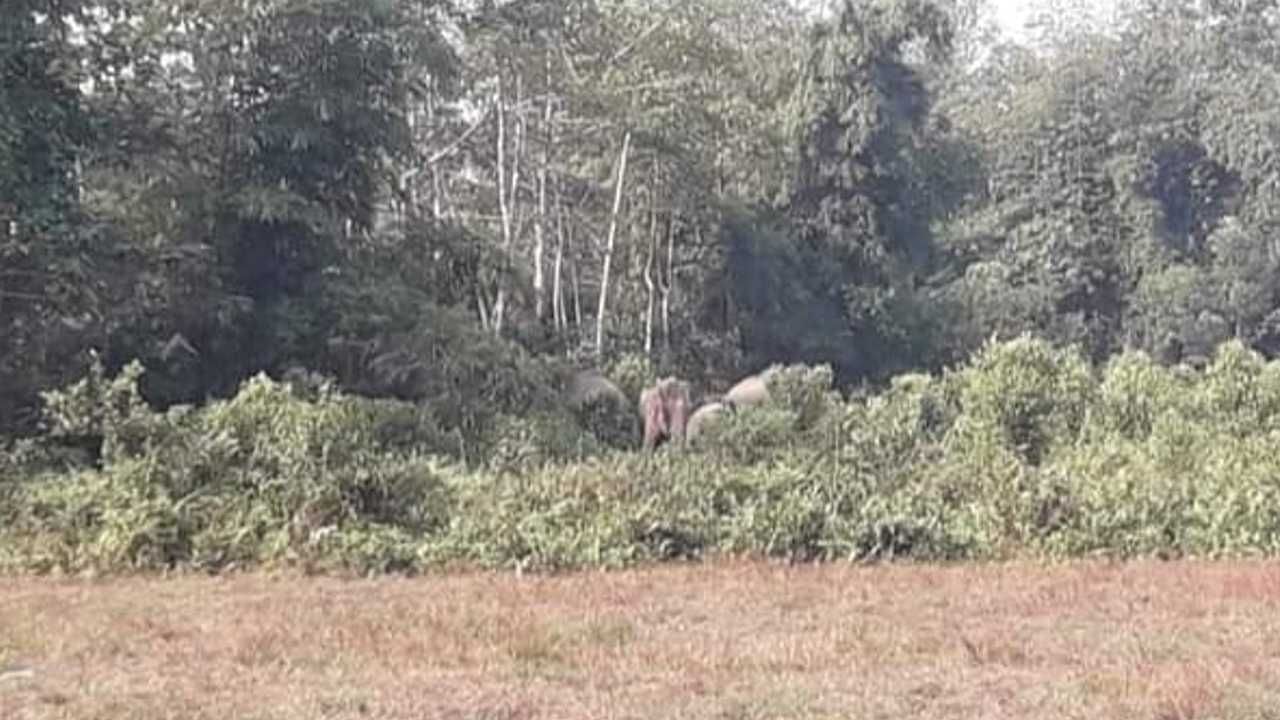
x=405 y=195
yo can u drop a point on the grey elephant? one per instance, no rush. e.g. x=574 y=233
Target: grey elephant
x=704 y=417
x=751 y=390
x=600 y=407
x=586 y=386
x=664 y=408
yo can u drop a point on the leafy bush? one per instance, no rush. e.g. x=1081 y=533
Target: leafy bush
x=749 y=436
x=632 y=373
x=521 y=445
x=614 y=425
x=1240 y=392
x=1130 y=502
x=1024 y=396
x=902 y=427
x=251 y=479
x=551 y=517
x=1134 y=392
x=805 y=391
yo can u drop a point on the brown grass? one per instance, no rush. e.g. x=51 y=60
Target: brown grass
x=1156 y=641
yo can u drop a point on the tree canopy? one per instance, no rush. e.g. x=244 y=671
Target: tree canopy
x=404 y=193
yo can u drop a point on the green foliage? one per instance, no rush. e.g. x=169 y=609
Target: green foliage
x=805 y=391
x=1024 y=451
x=523 y=444
x=553 y=517
x=100 y=407
x=861 y=227
x=749 y=436
x=632 y=373
x=613 y=424
x=1022 y=397
x=261 y=477
x=56 y=265
x=1240 y=392
x=1173 y=309
x=1133 y=393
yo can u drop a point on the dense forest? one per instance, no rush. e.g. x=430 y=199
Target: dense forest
x=268 y=261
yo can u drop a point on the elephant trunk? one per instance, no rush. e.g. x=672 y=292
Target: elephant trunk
x=679 y=420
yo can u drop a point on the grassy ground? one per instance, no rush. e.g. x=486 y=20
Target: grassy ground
x=1163 y=641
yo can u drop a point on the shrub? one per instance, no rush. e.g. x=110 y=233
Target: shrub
x=1025 y=396
x=632 y=373
x=748 y=437
x=597 y=513
x=805 y=391
x=1135 y=391
x=613 y=424
x=249 y=479
x=521 y=445
x=1240 y=392
x=902 y=427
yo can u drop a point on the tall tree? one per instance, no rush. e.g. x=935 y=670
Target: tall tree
x=47 y=253
x=861 y=223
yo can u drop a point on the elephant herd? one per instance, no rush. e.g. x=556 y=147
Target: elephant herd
x=666 y=407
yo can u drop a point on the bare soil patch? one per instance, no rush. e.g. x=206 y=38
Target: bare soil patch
x=1164 y=641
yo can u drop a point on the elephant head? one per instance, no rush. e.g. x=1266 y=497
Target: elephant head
x=664 y=408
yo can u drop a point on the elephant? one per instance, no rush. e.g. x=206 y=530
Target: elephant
x=751 y=390
x=586 y=386
x=664 y=408
x=705 y=414
x=600 y=407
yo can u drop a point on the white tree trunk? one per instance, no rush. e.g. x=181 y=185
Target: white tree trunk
x=539 y=247
x=649 y=263
x=437 y=211
x=558 y=315
x=602 y=309
x=481 y=309
x=506 y=199
x=577 y=283
x=504 y=212
x=669 y=282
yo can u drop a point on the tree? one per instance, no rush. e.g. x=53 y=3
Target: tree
x=861 y=223
x=293 y=117
x=48 y=296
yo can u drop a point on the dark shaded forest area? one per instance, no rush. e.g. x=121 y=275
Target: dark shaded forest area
x=270 y=268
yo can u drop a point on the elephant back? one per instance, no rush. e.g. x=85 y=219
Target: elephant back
x=589 y=385
x=704 y=415
x=751 y=390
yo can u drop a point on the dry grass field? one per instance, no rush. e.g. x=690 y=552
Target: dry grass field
x=1158 y=641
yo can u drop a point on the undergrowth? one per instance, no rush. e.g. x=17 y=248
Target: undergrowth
x=1025 y=451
